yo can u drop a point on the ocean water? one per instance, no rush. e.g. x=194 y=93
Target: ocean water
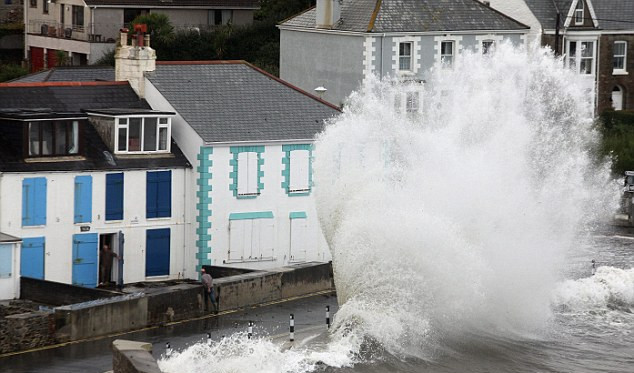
x=462 y=234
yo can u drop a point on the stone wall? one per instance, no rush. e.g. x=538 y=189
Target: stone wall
x=133 y=357
x=26 y=330
x=58 y=294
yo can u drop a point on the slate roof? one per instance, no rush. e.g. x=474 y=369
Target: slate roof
x=54 y=99
x=70 y=74
x=412 y=16
x=8 y=238
x=232 y=101
x=611 y=14
x=213 y=4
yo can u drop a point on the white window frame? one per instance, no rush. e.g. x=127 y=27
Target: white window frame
x=412 y=102
x=402 y=56
x=414 y=55
x=622 y=71
x=162 y=122
x=576 y=61
x=457 y=48
x=481 y=39
x=579 y=14
x=447 y=63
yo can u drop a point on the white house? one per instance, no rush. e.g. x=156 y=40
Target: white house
x=85 y=165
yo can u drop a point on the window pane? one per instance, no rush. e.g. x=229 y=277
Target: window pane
x=34 y=138
x=47 y=138
x=618 y=63
x=134 y=137
x=162 y=138
x=149 y=134
x=446 y=47
x=619 y=48
x=60 y=137
x=162 y=120
x=123 y=134
x=73 y=147
x=586 y=49
x=412 y=102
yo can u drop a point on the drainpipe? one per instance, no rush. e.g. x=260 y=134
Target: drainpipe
x=557 y=53
x=382 y=40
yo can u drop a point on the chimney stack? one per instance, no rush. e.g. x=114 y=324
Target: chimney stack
x=132 y=60
x=328 y=13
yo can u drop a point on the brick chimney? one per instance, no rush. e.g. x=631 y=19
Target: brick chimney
x=133 y=59
x=328 y=13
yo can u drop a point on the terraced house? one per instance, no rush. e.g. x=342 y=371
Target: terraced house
x=83 y=165
x=335 y=45
x=595 y=37
x=80 y=32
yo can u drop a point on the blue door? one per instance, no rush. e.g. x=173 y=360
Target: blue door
x=85 y=253
x=32 y=257
x=157 y=252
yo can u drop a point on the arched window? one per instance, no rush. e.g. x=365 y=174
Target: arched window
x=579 y=13
x=617 y=98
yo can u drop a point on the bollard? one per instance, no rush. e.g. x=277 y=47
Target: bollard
x=209 y=338
x=328 y=316
x=292 y=327
x=250 y=330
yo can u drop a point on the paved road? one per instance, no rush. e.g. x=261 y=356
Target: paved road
x=95 y=356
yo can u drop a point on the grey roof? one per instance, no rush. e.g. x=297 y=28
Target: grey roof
x=413 y=16
x=8 y=238
x=611 y=14
x=228 y=101
x=70 y=74
x=219 y=4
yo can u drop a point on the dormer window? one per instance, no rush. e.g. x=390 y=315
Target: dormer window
x=579 y=13
x=53 y=138
x=139 y=134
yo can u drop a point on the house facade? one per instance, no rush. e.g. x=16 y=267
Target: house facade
x=82 y=31
x=251 y=135
x=595 y=39
x=86 y=165
x=335 y=45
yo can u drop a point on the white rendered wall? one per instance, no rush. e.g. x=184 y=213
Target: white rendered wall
x=59 y=229
x=272 y=198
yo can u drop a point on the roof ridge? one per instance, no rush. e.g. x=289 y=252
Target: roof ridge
x=61 y=84
x=201 y=62
x=500 y=13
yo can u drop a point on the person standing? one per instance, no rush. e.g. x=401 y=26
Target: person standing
x=106 y=256
x=208 y=290
x=594 y=267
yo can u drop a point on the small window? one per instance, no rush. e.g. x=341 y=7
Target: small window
x=78 y=18
x=446 y=53
x=217 y=17
x=33 y=3
x=617 y=98
x=412 y=102
x=53 y=138
x=487 y=46
x=619 y=59
x=405 y=56
x=579 y=13
x=45 y=4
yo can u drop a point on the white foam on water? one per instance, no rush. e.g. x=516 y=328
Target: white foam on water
x=609 y=288
x=459 y=219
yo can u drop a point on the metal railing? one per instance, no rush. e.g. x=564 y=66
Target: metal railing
x=53 y=29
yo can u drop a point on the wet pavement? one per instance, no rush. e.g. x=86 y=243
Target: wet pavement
x=95 y=356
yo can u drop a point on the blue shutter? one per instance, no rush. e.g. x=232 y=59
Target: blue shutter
x=34 y=201
x=32 y=257
x=114 y=196
x=159 y=194
x=157 y=252
x=151 y=195
x=83 y=199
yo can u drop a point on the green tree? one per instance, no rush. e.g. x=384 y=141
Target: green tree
x=8 y=72
x=617 y=128
x=158 y=25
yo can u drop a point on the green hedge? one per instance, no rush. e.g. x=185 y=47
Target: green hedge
x=618 y=139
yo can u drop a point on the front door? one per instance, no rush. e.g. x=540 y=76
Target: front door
x=85 y=254
x=157 y=252
x=32 y=258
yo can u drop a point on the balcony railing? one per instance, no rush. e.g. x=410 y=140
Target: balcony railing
x=66 y=31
